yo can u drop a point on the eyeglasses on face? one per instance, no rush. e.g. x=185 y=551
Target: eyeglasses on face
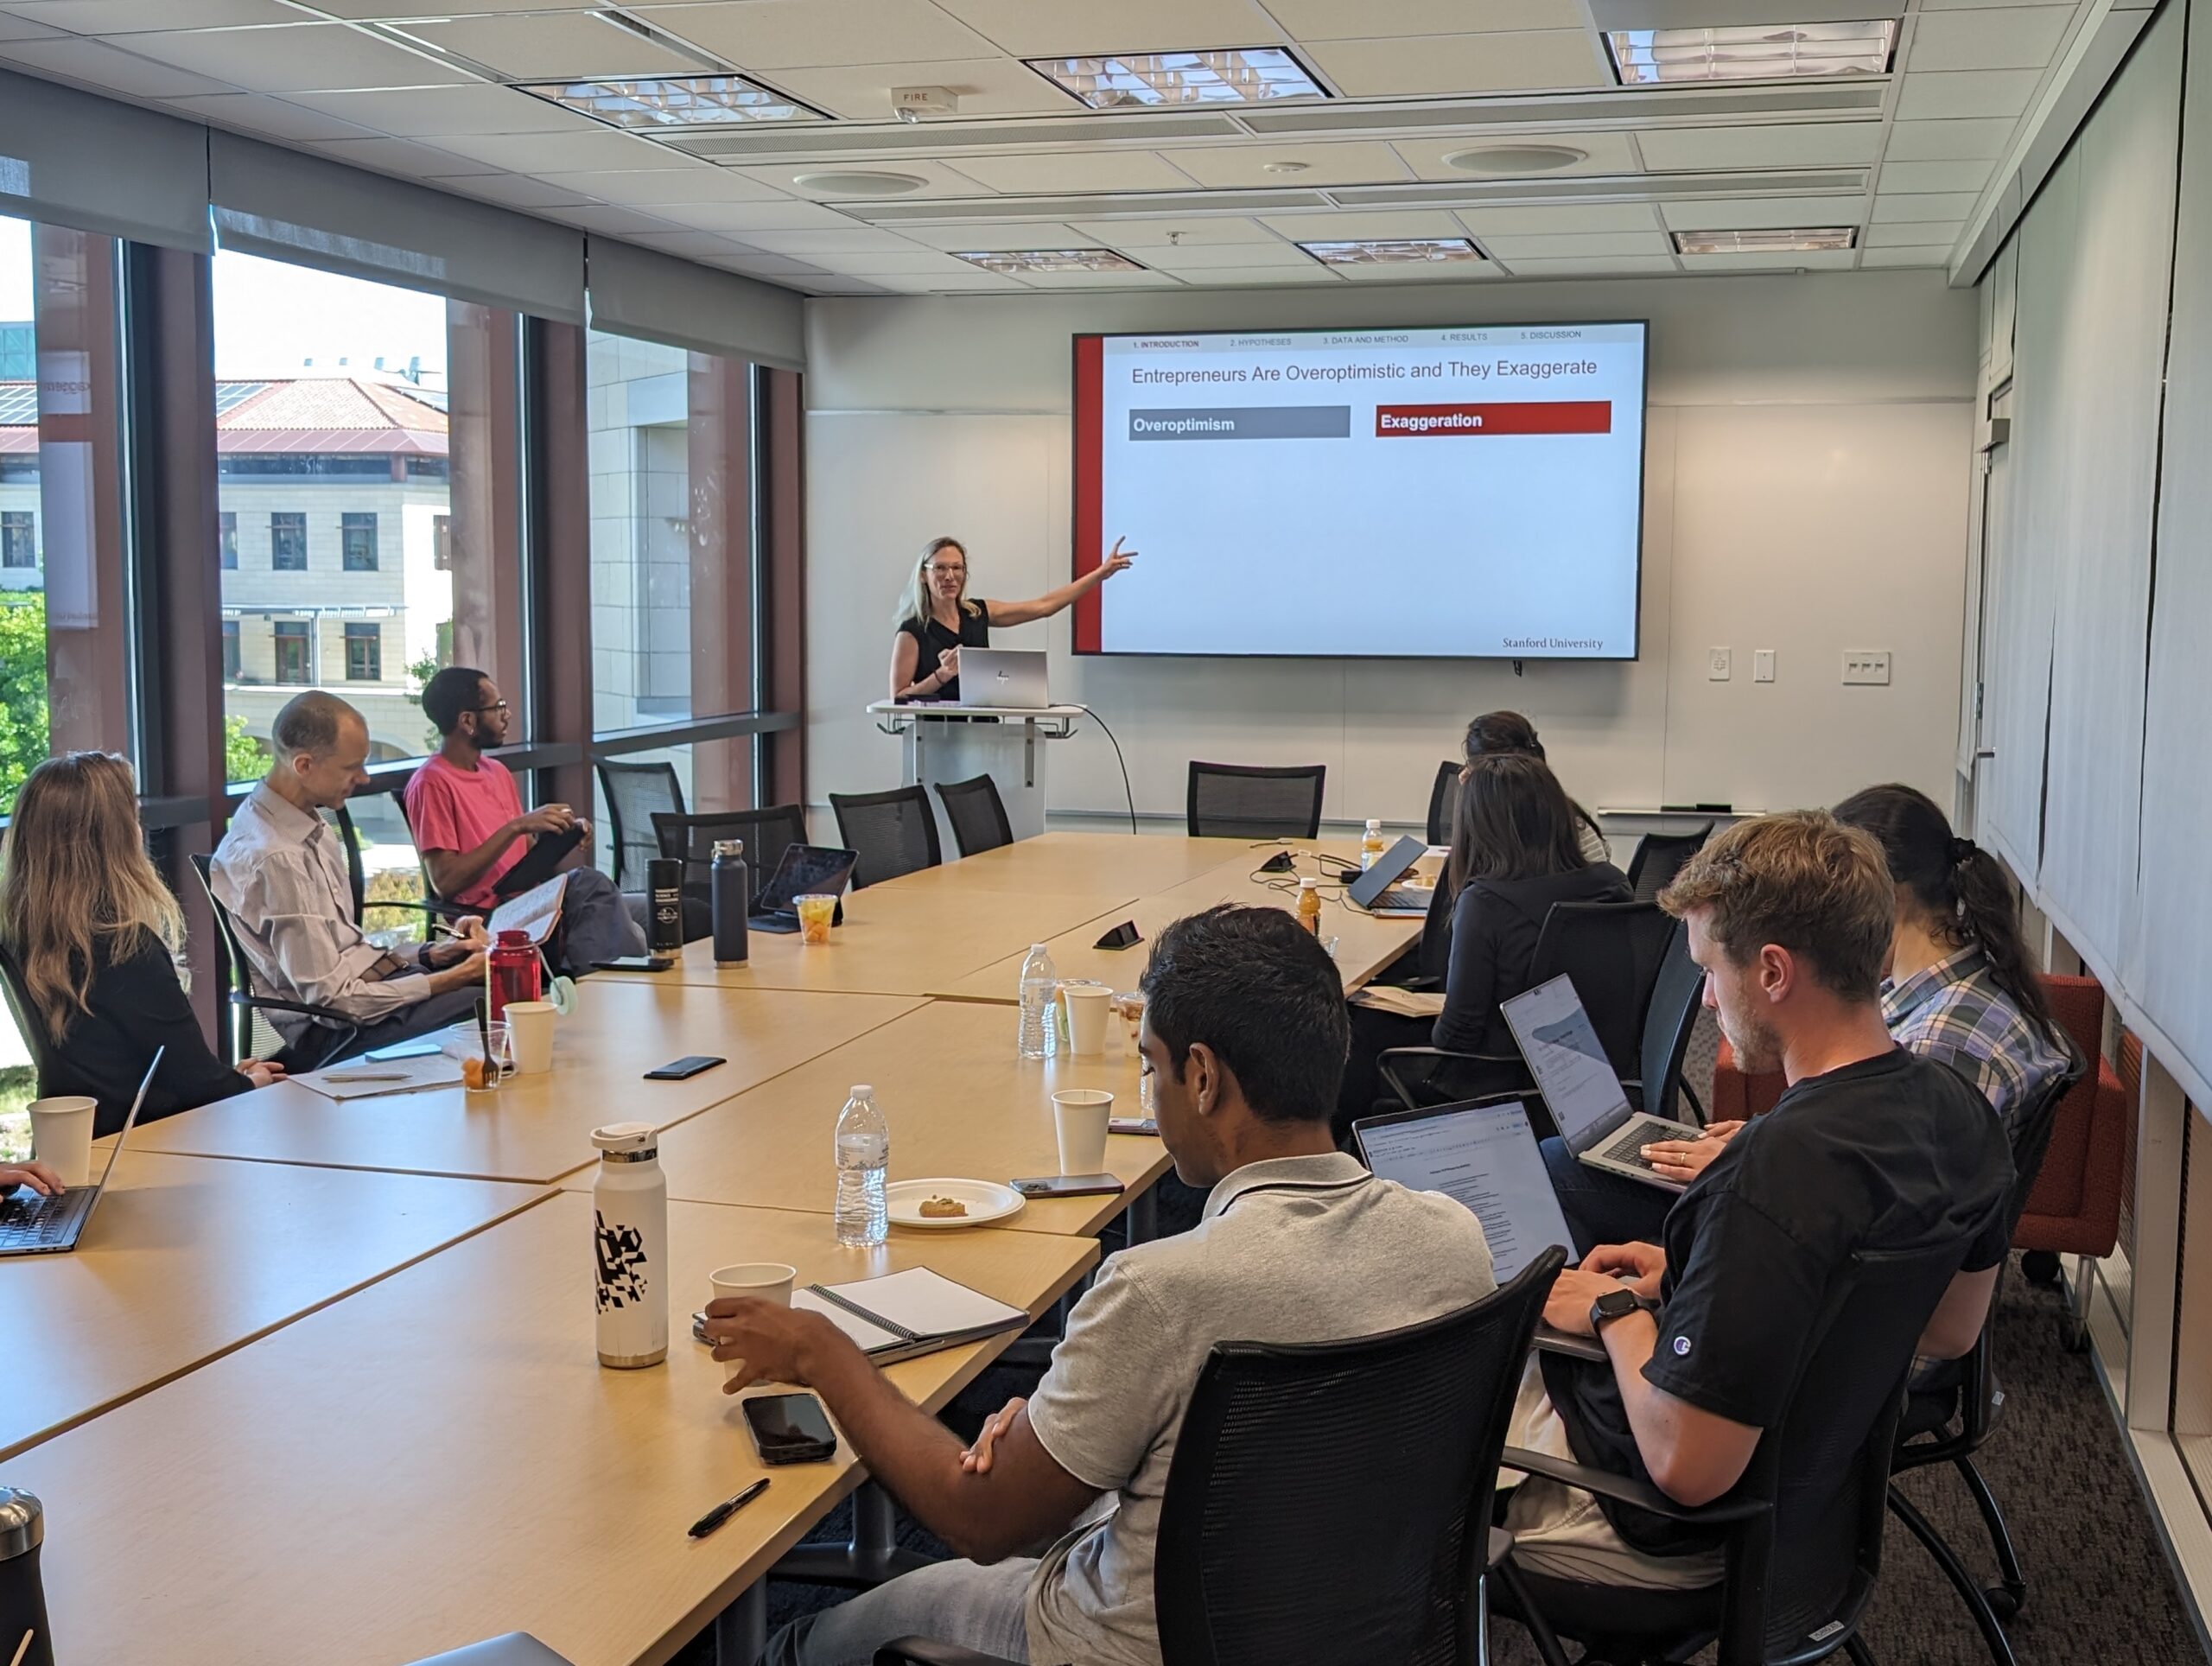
x=498 y=706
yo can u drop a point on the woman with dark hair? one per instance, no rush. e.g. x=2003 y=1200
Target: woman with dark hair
x=1514 y=852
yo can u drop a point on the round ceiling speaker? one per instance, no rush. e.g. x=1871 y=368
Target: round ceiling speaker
x=854 y=182
x=1284 y=167
x=1515 y=158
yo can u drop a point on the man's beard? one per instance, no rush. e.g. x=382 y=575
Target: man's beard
x=1757 y=1048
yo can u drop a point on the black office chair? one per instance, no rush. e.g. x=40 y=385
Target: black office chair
x=231 y=968
x=431 y=908
x=1801 y=1531
x=1659 y=857
x=1670 y=1020
x=1286 y=1470
x=978 y=814
x=24 y=1011
x=690 y=840
x=894 y=832
x=1253 y=801
x=1613 y=951
x=1444 y=801
x=634 y=793
x=1950 y=1414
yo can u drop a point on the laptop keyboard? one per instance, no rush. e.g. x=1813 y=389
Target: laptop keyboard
x=28 y=1221
x=1406 y=899
x=1629 y=1147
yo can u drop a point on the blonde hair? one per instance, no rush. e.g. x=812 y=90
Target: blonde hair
x=914 y=605
x=74 y=872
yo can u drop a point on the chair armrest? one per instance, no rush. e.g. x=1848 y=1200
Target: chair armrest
x=1622 y=1490
x=920 y=1651
x=1390 y=1063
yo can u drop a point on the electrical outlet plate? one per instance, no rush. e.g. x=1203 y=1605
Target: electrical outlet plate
x=1866 y=666
x=1716 y=664
x=1762 y=664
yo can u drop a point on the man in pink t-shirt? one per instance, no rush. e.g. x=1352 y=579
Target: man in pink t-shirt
x=470 y=829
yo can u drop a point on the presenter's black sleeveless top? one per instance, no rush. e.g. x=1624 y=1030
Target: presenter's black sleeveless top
x=975 y=633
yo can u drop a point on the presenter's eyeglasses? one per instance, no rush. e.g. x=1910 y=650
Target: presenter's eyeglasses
x=951 y=569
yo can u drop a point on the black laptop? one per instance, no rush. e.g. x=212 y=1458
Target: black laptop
x=806 y=870
x=1372 y=891
x=33 y=1223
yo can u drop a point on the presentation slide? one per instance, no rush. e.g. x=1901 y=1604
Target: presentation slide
x=1437 y=493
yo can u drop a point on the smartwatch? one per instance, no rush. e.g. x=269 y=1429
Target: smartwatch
x=1614 y=1304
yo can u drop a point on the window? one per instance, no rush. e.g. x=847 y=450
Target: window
x=441 y=543
x=231 y=659
x=226 y=539
x=18 y=538
x=288 y=541
x=364 y=653
x=358 y=537
x=293 y=652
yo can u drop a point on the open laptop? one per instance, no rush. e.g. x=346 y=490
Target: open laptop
x=1580 y=1084
x=34 y=1224
x=1002 y=677
x=1485 y=1156
x=1372 y=891
x=805 y=870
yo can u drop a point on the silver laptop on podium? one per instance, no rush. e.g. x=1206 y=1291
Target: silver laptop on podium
x=1002 y=677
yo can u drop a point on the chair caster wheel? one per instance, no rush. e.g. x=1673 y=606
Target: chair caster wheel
x=2003 y=1603
x=2040 y=1266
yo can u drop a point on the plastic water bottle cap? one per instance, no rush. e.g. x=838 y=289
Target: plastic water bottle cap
x=1309 y=884
x=1373 y=825
x=862 y=1091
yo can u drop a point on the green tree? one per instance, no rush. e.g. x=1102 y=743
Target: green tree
x=23 y=690
x=244 y=758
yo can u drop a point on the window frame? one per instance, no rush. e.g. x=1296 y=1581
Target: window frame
x=288 y=521
x=350 y=526
x=302 y=631
x=369 y=634
x=19 y=538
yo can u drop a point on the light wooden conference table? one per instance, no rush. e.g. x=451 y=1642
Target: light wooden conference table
x=189 y=1258
x=441 y=1457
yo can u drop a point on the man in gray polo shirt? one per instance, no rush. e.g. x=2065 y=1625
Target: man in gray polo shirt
x=1244 y=1038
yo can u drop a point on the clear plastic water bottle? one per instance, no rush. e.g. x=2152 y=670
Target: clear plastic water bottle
x=1040 y=1021
x=863 y=1160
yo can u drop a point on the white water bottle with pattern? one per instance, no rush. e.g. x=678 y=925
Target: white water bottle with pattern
x=629 y=1202
x=1039 y=1036
x=863 y=1160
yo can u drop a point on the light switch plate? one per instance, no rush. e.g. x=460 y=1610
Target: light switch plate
x=1716 y=664
x=1869 y=666
x=1762 y=664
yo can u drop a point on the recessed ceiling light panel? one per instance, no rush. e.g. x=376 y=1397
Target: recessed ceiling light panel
x=857 y=182
x=1515 y=160
x=1393 y=251
x=1148 y=80
x=658 y=102
x=1801 y=239
x=1757 y=52
x=1017 y=263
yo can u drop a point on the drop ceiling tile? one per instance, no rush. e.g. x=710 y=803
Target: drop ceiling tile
x=910 y=262
x=255 y=113
x=513 y=191
x=1100 y=280
x=296 y=58
x=1234 y=166
x=15 y=28
x=1442 y=65
x=1809 y=260
x=1196 y=256
x=770 y=34
x=1064 y=29
x=1926 y=255
x=1185 y=230
x=76 y=58
x=1603 y=153
x=1934 y=175
x=403 y=157
x=986 y=86
x=1332 y=20
x=1069 y=171
x=1247 y=277
x=1906 y=234
x=1595 y=266
x=1344 y=225
x=396 y=9
x=2008 y=37
x=442 y=111
x=937 y=180
x=1949 y=141
x=130 y=16
x=696 y=246
x=1450 y=271
x=574 y=46
x=770 y=266
x=975 y=279
x=1971 y=5
x=966 y=234
x=1751 y=213
x=1541 y=246
x=648 y=187
x=565 y=153
x=832 y=285
x=785 y=214
x=1562 y=217
x=857 y=240
x=609 y=221
x=1966 y=92
x=1935 y=206
x=1812 y=144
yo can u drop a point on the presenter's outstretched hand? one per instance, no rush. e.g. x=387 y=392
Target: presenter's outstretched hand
x=1117 y=559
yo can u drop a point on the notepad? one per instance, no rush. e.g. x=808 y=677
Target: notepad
x=362 y=1079
x=1407 y=1003
x=534 y=914
x=903 y=1315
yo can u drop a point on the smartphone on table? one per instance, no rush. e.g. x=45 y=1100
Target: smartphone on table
x=1068 y=1186
x=678 y=1069
x=789 y=1428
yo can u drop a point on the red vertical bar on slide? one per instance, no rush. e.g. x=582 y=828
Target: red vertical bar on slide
x=1089 y=400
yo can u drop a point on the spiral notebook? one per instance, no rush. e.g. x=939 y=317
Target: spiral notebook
x=903 y=1315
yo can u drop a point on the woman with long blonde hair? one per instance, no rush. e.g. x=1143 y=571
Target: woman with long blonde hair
x=937 y=618
x=91 y=935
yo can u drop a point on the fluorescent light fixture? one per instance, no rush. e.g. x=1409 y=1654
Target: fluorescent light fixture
x=1803 y=239
x=1757 y=52
x=1232 y=75
x=1017 y=263
x=1393 y=251
x=661 y=101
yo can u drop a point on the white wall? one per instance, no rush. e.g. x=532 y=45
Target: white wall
x=1807 y=490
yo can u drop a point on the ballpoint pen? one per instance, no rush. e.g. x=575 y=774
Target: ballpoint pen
x=727 y=1508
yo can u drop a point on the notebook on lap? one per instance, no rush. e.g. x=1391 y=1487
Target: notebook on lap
x=1372 y=891
x=1580 y=1086
x=34 y=1224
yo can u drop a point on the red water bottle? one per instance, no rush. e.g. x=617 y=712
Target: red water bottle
x=517 y=973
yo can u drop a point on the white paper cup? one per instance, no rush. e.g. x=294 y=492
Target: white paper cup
x=1079 y=1118
x=763 y=1280
x=530 y=1032
x=1088 y=1005
x=61 y=1136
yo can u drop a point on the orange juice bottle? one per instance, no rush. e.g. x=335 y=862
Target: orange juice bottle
x=1309 y=905
x=1370 y=845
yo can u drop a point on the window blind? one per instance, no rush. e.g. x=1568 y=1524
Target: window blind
x=69 y=158
x=640 y=292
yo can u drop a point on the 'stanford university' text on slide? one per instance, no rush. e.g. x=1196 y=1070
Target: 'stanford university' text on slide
x=1465 y=492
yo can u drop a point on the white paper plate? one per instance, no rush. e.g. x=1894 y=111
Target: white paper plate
x=986 y=1201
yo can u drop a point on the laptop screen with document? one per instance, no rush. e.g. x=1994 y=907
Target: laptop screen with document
x=1485 y=1157
x=1562 y=1045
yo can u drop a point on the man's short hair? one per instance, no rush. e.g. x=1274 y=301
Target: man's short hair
x=309 y=722
x=1803 y=882
x=1253 y=985
x=450 y=693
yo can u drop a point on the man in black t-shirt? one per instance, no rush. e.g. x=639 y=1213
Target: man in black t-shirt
x=1870 y=1149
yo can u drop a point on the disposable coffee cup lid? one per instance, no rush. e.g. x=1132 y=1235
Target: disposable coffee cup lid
x=22 y=1523
x=623 y=1136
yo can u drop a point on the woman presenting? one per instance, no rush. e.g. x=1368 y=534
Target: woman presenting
x=936 y=619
